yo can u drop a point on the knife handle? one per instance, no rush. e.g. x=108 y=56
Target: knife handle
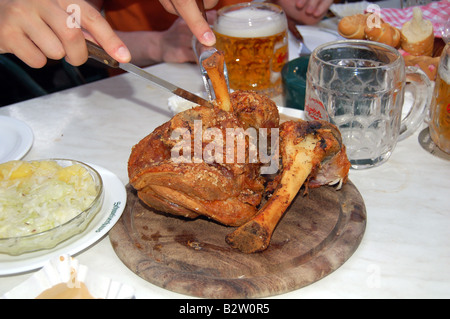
x=292 y=26
x=97 y=53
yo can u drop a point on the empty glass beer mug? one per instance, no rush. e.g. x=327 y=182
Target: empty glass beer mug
x=439 y=123
x=254 y=39
x=359 y=86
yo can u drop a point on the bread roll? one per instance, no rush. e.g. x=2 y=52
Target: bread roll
x=417 y=36
x=385 y=34
x=352 y=27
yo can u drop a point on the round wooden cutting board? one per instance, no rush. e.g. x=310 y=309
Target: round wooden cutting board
x=318 y=233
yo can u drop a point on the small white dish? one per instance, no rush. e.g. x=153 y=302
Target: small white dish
x=292 y=113
x=178 y=104
x=16 y=139
x=313 y=37
x=114 y=202
x=341 y=10
x=66 y=216
x=62 y=276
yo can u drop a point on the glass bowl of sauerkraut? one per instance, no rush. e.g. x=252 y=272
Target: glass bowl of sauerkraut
x=45 y=202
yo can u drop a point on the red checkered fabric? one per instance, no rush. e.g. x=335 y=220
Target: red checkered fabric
x=437 y=12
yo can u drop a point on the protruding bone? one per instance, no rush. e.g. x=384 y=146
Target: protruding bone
x=214 y=66
x=302 y=155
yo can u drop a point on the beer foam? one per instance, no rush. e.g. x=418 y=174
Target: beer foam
x=250 y=23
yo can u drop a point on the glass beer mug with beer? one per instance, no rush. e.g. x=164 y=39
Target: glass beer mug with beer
x=440 y=106
x=253 y=37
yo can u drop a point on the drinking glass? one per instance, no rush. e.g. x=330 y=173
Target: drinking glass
x=439 y=123
x=359 y=86
x=254 y=39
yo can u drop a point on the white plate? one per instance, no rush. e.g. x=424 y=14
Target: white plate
x=113 y=206
x=68 y=270
x=313 y=37
x=348 y=9
x=296 y=113
x=16 y=139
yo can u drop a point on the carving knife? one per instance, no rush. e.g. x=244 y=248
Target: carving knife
x=97 y=53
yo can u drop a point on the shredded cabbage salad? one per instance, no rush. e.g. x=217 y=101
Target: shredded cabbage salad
x=39 y=195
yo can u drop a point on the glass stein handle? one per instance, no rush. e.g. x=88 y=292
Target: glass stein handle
x=421 y=90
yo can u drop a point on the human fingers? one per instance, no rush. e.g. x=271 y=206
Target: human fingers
x=176 y=43
x=70 y=36
x=27 y=51
x=190 y=12
x=43 y=28
x=44 y=38
x=178 y=55
x=311 y=6
x=300 y=4
x=322 y=7
x=317 y=8
x=171 y=5
x=24 y=34
x=93 y=22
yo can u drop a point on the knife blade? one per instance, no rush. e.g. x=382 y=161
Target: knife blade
x=97 y=53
